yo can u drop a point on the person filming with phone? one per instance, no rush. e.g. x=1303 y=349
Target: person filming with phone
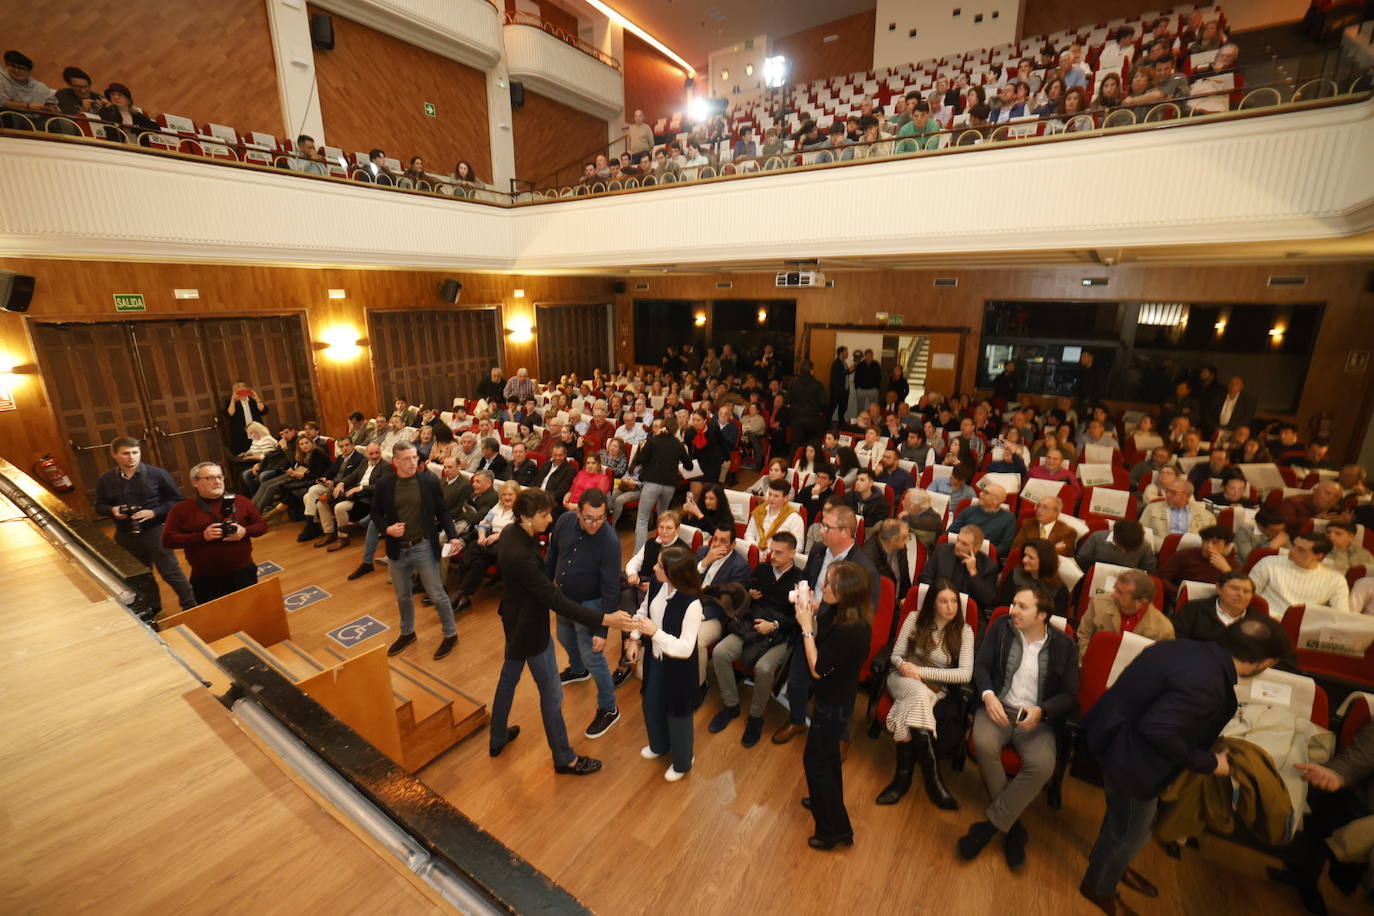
x=215 y=528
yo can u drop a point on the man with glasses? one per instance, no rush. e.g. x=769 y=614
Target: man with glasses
x=1177 y=513
x=78 y=97
x=215 y=529
x=584 y=563
x=19 y=90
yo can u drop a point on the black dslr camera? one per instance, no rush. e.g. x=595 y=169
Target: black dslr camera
x=135 y=526
x=226 y=510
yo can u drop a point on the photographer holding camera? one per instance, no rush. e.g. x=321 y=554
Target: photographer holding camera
x=138 y=497
x=214 y=528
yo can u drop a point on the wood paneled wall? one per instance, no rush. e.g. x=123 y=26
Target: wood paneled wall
x=550 y=135
x=372 y=93
x=653 y=83
x=554 y=14
x=1344 y=288
x=812 y=58
x=204 y=61
x=82 y=291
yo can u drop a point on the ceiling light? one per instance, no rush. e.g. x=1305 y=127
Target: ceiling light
x=627 y=24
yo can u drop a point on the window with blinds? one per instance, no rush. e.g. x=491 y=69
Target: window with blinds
x=430 y=357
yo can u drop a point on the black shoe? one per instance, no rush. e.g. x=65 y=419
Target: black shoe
x=923 y=744
x=511 y=734
x=806 y=803
x=622 y=674
x=459 y=602
x=972 y=843
x=722 y=719
x=569 y=676
x=445 y=646
x=602 y=723
x=753 y=731
x=1014 y=846
x=582 y=766
x=1305 y=885
x=362 y=570
x=901 y=780
x=309 y=532
x=401 y=642
x=1054 y=796
x=427 y=601
x=817 y=842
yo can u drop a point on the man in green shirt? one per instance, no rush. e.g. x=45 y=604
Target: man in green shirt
x=922 y=127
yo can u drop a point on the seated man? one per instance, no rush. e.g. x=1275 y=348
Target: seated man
x=318 y=514
x=1095 y=433
x=1127 y=608
x=894 y=476
x=396 y=431
x=1176 y=513
x=758 y=638
x=1324 y=502
x=1205 y=618
x=1217 y=467
x=1027 y=675
x=521 y=468
x=963 y=563
x=1234 y=493
x=1122 y=545
x=492 y=459
x=955 y=486
x=719 y=562
x=1265 y=530
x=1353 y=481
x=921 y=520
x=1159 y=458
x=866 y=500
x=1046 y=524
x=1300 y=578
x=998 y=525
x=775 y=514
x=1208 y=562
x=1313 y=458
x=1054 y=468
x=1346 y=552
x=556 y=475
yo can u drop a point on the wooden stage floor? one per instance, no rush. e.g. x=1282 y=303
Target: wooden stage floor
x=731 y=837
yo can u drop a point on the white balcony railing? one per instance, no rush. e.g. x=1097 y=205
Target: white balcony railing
x=583 y=79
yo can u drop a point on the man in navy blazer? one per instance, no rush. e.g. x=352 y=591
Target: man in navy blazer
x=1161 y=716
x=719 y=563
x=841 y=528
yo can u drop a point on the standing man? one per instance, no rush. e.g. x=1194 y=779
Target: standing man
x=138 y=497
x=493 y=390
x=214 y=528
x=243 y=407
x=409 y=509
x=868 y=379
x=1161 y=716
x=639 y=138
x=807 y=402
x=584 y=563
x=839 y=387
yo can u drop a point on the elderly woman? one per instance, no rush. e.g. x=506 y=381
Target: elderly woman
x=933 y=651
x=480 y=552
x=261 y=441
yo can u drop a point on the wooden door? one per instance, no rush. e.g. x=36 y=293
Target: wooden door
x=270 y=355
x=94 y=386
x=822 y=353
x=431 y=357
x=180 y=394
x=573 y=338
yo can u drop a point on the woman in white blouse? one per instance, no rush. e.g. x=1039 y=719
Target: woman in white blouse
x=480 y=552
x=261 y=441
x=922 y=665
x=670 y=618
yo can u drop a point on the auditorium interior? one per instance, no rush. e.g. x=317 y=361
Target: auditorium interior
x=1099 y=257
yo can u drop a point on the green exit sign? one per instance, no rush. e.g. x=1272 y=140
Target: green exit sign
x=129 y=302
x=895 y=320
x=431 y=110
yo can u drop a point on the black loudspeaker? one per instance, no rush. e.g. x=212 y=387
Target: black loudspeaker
x=15 y=291
x=517 y=94
x=449 y=290
x=618 y=287
x=322 y=31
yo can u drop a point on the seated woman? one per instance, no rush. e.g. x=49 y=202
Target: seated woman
x=614 y=461
x=708 y=512
x=480 y=552
x=424 y=442
x=1144 y=95
x=1108 y=92
x=810 y=459
x=261 y=441
x=310 y=462
x=1073 y=108
x=846 y=465
x=445 y=446
x=777 y=470
x=754 y=428
x=933 y=651
x=591 y=476
x=1039 y=569
x=119 y=109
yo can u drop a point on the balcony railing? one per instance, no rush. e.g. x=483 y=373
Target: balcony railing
x=517 y=17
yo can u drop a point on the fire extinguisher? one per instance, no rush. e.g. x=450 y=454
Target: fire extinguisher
x=52 y=475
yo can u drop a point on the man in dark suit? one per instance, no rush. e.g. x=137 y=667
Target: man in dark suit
x=719 y=563
x=316 y=513
x=408 y=508
x=556 y=476
x=521 y=468
x=839 y=387
x=492 y=459
x=1236 y=407
x=963 y=563
x=1204 y=619
x=457 y=489
x=807 y=401
x=841 y=529
x=481 y=497
x=1161 y=716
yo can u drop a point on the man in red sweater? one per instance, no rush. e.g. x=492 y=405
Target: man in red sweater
x=215 y=528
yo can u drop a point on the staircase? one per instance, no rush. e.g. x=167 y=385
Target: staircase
x=917 y=365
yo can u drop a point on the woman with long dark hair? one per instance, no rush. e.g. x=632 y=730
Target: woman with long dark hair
x=669 y=618
x=1039 y=570
x=834 y=655
x=934 y=649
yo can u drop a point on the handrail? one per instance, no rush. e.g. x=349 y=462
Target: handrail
x=520 y=17
x=575 y=166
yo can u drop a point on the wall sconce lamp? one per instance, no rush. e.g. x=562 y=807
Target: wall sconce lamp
x=521 y=330
x=699 y=319
x=338 y=294
x=340 y=343
x=763 y=316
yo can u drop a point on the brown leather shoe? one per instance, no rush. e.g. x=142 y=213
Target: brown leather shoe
x=787 y=733
x=340 y=544
x=1113 y=905
x=1139 y=883
x=329 y=538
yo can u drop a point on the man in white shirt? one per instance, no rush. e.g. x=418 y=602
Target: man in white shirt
x=1300 y=578
x=396 y=431
x=764 y=524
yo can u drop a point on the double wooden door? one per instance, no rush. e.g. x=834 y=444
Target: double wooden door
x=166 y=384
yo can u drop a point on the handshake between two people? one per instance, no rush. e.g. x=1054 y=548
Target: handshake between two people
x=628 y=623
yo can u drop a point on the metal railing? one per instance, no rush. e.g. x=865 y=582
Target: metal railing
x=519 y=17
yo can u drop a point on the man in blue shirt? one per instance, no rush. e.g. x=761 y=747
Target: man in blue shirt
x=955 y=486
x=138 y=497
x=584 y=562
x=999 y=526
x=893 y=476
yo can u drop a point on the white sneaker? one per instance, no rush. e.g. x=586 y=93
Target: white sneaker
x=648 y=753
x=673 y=775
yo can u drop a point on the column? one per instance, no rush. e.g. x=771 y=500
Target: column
x=291 y=48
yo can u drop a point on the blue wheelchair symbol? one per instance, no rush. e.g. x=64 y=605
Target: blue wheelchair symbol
x=304 y=597
x=354 y=632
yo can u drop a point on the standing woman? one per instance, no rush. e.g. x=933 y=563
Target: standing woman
x=525 y=619
x=707 y=446
x=243 y=406
x=670 y=617
x=835 y=658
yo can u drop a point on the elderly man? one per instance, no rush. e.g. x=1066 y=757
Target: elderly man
x=521 y=468
x=520 y=386
x=998 y=525
x=469 y=452
x=1054 y=468
x=1177 y=513
x=1324 y=502
x=963 y=563
x=1207 y=562
x=1205 y=618
x=553 y=435
x=215 y=529
x=1300 y=577
x=1127 y=608
x=491 y=458
x=924 y=523
x=395 y=431
x=1159 y=458
x=1095 y=433
x=1046 y=524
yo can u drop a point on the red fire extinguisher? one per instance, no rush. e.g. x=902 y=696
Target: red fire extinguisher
x=52 y=475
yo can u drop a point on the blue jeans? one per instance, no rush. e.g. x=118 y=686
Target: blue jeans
x=420 y=557
x=576 y=640
x=651 y=496
x=370 y=544
x=544 y=668
x=1125 y=831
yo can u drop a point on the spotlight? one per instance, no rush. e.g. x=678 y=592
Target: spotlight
x=774 y=71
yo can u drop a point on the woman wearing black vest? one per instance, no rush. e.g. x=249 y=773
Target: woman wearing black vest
x=670 y=617
x=835 y=658
x=639 y=573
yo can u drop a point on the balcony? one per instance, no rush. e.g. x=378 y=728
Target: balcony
x=468 y=31
x=562 y=67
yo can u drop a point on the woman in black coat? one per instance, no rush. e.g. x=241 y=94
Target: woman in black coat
x=706 y=446
x=525 y=619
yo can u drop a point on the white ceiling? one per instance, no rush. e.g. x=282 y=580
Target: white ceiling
x=695 y=28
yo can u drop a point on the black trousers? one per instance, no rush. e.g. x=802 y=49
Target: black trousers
x=208 y=588
x=824 y=775
x=839 y=403
x=147 y=548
